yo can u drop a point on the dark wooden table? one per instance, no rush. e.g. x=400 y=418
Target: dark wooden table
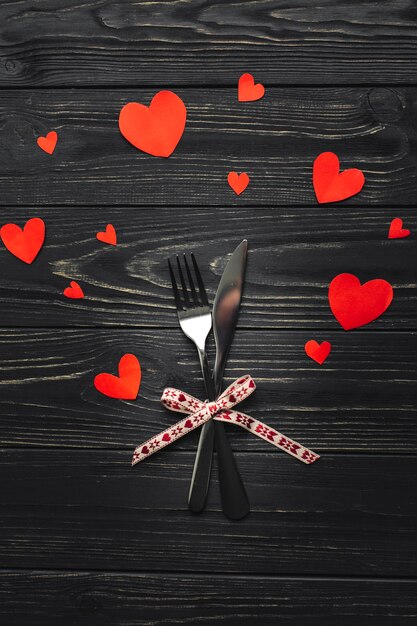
x=84 y=538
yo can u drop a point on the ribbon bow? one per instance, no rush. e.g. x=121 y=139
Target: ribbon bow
x=200 y=412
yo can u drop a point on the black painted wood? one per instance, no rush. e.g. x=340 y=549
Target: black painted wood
x=92 y=510
x=293 y=255
x=134 y=599
x=361 y=399
x=274 y=140
x=206 y=42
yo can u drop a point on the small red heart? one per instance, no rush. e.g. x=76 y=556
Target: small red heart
x=232 y=398
x=48 y=143
x=145 y=450
x=318 y=351
x=355 y=305
x=24 y=243
x=181 y=398
x=108 y=236
x=188 y=424
x=248 y=91
x=166 y=437
x=396 y=230
x=126 y=385
x=238 y=182
x=251 y=384
x=156 y=129
x=331 y=185
x=74 y=291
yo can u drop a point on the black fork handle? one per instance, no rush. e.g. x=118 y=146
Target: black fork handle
x=235 y=503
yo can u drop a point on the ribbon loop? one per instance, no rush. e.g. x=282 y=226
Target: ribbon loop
x=200 y=412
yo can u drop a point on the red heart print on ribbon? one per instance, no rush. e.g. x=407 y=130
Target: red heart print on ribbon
x=48 y=143
x=74 y=291
x=355 y=305
x=318 y=351
x=247 y=90
x=108 y=236
x=330 y=184
x=156 y=129
x=238 y=182
x=396 y=230
x=126 y=385
x=24 y=243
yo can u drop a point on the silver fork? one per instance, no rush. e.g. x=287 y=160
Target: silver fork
x=194 y=316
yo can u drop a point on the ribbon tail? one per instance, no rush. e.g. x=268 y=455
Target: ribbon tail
x=274 y=437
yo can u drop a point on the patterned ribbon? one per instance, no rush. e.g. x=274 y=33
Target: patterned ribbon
x=200 y=412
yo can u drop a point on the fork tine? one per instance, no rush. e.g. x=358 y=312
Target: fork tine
x=203 y=294
x=191 y=282
x=177 y=297
x=184 y=288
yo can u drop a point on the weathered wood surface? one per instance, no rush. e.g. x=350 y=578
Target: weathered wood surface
x=92 y=510
x=361 y=399
x=293 y=255
x=130 y=599
x=274 y=140
x=200 y=42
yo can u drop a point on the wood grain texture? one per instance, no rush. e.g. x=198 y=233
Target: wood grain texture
x=198 y=41
x=293 y=255
x=92 y=510
x=133 y=599
x=361 y=399
x=274 y=140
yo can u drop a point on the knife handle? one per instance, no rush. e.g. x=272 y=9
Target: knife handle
x=233 y=496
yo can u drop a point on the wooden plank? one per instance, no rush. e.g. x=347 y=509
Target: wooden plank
x=344 y=515
x=361 y=399
x=275 y=140
x=131 y=599
x=294 y=254
x=104 y=42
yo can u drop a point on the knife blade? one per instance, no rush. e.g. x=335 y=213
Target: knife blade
x=225 y=313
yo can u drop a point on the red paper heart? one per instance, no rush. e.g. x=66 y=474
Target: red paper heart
x=48 y=143
x=156 y=129
x=247 y=90
x=188 y=424
x=318 y=351
x=126 y=385
x=108 y=236
x=396 y=230
x=74 y=291
x=331 y=185
x=24 y=243
x=238 y=182
x=355 y=305
x=166 y=437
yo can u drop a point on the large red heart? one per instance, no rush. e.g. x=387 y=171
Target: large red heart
x=247 y=90
x=48 y=143
x=24 y=243
x=238 y=182
x=396 y=230
x=318 y=351
x=156 y=129
x=108 y=235
x=331 y=185
x=74 y=291
x=126 y=385
x=355 y=305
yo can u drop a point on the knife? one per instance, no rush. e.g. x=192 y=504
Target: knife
x=226 y=304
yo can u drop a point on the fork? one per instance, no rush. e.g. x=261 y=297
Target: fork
x=194 y=316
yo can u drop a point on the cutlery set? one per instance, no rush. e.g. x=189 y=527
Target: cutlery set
x=196 y=321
